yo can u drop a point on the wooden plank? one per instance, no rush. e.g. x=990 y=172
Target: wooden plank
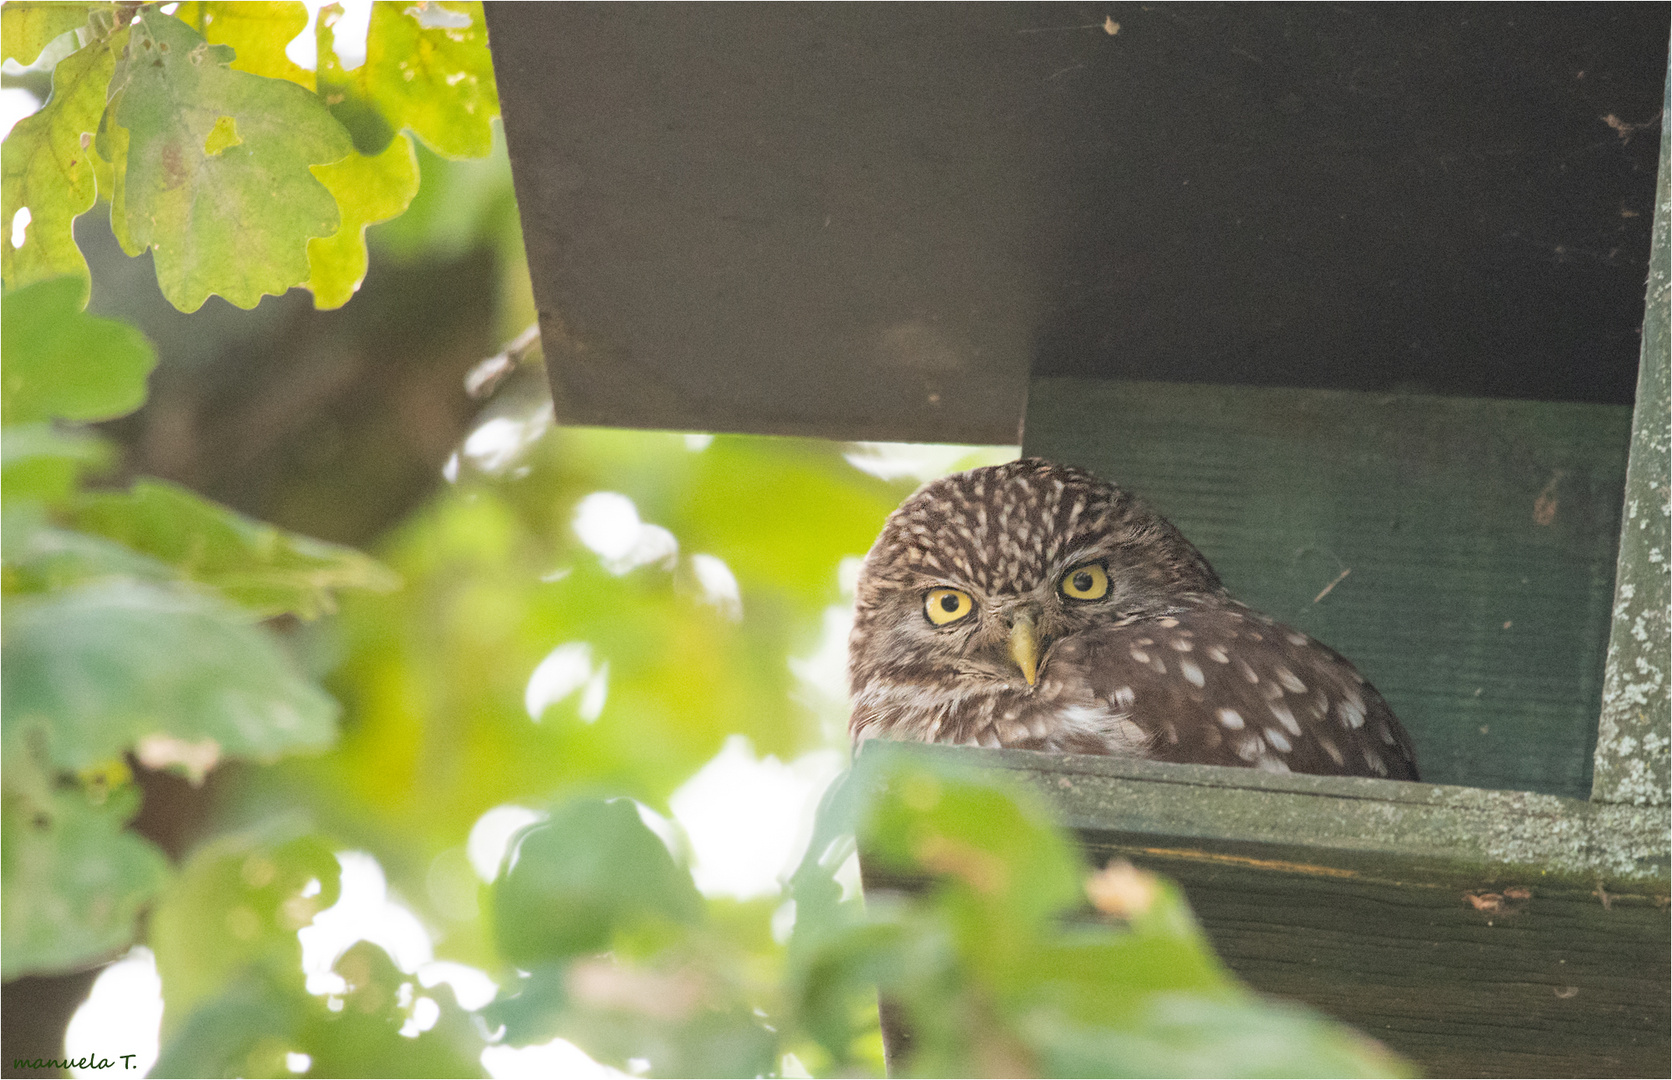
x=1477 y=537
x=1632 y=759
x=1459 y=835
x=1553 y=985
x=1355 y=897
x=868 y=220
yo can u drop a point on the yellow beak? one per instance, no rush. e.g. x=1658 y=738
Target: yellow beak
x=1024 y=647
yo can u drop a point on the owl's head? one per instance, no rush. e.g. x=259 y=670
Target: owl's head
x=978 y=575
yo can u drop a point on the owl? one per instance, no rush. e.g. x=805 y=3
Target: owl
x=1033 y=606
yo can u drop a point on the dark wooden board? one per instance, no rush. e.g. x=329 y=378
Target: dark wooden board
x=1354 y=896
x=1478 y=536
x=871 y=220
x=1554 y=985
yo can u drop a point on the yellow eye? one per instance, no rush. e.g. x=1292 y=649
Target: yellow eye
x=1088 y=582
x=947 y=605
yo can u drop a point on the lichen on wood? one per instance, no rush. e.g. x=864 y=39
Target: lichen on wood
x=1633 y=735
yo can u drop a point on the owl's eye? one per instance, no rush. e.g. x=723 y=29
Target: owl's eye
x=1088 y=582
x=944 y=606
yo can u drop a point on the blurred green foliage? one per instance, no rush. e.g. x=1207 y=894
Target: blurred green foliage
x=384 y=707
x=1014 y=962
x=113 y=642
x=106 y=651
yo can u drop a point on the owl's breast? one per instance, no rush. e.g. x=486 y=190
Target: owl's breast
x=1060 y=714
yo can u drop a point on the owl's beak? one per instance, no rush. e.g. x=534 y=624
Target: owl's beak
x=1024 y=647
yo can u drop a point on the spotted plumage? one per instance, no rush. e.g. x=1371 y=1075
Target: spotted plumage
x=1032 y=605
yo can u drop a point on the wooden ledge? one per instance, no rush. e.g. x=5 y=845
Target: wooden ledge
x=1348 y=823
x=1481 y=933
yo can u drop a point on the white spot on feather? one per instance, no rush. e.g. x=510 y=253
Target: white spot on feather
x=1285 y=717
x=1288 y=679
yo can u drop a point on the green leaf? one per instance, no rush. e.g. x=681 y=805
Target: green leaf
x=109 y=154
x=346 y=92
x=460 y=206
x=245 y=1029
x=368 y=190
x=257 y=30
x=974 y=834
x=531 y=1008
x=999 y=967
x=235 y=223
x=92 y=671
x=1194 y=1035
x=41 y=557
x=47 y=167
x=62 y=363
x=435 y=79
x=660 y=1018
x=681 y=1016
x=590 y=870
x=254 y=564
x=237 y=903
x=225 y=935
x=29 y=26
x=253 y=1021
x=37 y=461
x=73 y=880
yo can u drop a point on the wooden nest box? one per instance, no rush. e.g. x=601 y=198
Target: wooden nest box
x=1355 y=296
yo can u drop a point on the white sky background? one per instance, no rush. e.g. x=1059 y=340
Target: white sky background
x=744 y=820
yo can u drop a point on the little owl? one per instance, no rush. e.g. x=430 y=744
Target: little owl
x=1033 y=606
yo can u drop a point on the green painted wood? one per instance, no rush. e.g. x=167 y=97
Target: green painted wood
x=1477 y=538
x=1632 y=760
x=1481 y=933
